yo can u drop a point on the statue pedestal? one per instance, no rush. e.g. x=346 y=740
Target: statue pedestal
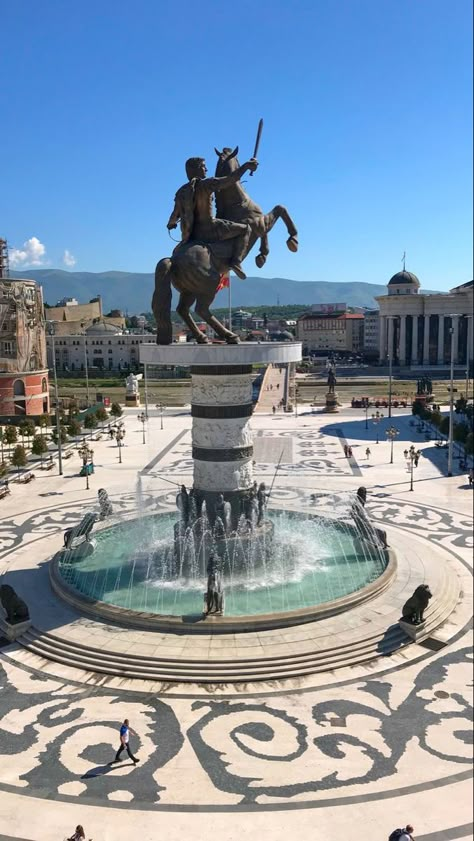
x=12 y=632
x=332 y=404
x=132 y=400
x=412 y=631
x=221 y=407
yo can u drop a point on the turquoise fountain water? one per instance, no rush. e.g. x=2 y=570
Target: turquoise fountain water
x=312 y=559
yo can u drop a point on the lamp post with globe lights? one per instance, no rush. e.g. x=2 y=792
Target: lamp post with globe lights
x=87 y=455
x=142 y=418
x=376 y=418
x=391 y=434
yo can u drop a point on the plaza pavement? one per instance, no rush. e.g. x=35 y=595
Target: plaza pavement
x=353 y=752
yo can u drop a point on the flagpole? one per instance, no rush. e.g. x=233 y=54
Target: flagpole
x=230 y=306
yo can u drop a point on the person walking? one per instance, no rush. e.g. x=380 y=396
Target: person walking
x=367 y=453
x=349 y=452
x=125 y=731
x=346 y=450
x=470 y=477
x=273 y=409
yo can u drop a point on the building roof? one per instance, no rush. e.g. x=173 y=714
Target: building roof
x=404 y=277
x=467 y=285
x=328 y=316
x=100 y=327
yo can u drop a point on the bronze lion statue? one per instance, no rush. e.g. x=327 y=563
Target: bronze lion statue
x=413 y=610
x=15 y=607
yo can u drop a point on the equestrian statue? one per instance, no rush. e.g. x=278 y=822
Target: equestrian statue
x=211 y=246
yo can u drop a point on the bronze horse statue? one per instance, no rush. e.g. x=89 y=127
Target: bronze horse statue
x=196 y=268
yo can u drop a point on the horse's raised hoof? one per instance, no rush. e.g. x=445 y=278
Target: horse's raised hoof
x=260 y=260
x=292 y=244
x=233 y=340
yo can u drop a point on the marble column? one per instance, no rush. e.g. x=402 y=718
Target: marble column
x=382 y=328
x=455 y=322
x=402 y=353
x=441 y=340
x=390 y=337
x=426 y=341
x=469 y=352
x=414 y=340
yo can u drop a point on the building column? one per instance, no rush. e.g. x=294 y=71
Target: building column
x=414 y=340
x=382 y=328
x=390 y=337
x=402 y=353
x=426 y=341
x=455 y=323
x=441 y=340
x=469 y=352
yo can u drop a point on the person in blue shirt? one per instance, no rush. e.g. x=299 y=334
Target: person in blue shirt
x=125 y=731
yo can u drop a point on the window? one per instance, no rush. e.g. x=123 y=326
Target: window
x=7 y=348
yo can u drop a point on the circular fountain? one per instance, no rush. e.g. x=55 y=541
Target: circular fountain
x=276 y=566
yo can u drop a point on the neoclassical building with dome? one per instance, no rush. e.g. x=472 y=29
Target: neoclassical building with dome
x=415 y=326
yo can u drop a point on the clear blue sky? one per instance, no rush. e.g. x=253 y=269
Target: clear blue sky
x=367 y=137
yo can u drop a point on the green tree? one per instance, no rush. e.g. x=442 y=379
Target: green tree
x=460 y=406
x=436 y=418
x=116 y=410
x=73 y=409
x=101 y=414
x=44 y=423
x=3 y=468
x=10 y=435
x=62 y=433
x=74 y=428
x=461 y=431
x=39 y=447
x=90 y=421
x=19 y=458
x=469 y=444
x=444 y=426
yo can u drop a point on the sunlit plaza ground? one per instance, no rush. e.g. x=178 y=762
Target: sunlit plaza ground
x=362 y=748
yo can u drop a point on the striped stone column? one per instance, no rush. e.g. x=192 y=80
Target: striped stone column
x=221 y=408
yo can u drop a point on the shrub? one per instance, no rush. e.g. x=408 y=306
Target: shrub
x=436 y=418
x=101 y=414
x=10 y=435
x=45 y=420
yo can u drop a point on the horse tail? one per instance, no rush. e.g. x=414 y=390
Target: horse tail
x=161 y=302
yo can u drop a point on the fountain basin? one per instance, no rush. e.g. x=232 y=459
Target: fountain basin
x=318 y=567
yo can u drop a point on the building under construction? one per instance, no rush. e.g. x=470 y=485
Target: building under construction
x=24 y=386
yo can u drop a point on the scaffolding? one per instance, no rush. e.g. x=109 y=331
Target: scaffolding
x=4 y=265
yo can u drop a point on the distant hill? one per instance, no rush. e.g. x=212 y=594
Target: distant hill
x=130 y=291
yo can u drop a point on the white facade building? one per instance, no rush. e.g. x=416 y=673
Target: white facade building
x=415 y=327
x=107 y=348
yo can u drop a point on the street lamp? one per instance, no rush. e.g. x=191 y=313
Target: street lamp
x=58 y=420
x=367 y=413
x=119 y=436
x=160 y=406
x=146 y=389
x=413 y=458
x=391 y=434
x=376 y=418
x=142 y=418
x=451 y=401
x=391 y=321
x=87 y=455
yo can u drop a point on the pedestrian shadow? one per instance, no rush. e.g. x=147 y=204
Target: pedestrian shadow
x=101 y=770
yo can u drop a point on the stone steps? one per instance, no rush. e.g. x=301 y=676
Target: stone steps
x=232 y=669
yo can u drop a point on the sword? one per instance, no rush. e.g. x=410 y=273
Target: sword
x=257 y=142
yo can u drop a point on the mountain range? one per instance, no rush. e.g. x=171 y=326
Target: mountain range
x=131 y=291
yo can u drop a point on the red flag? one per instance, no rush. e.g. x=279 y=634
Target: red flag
x=224 y=281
